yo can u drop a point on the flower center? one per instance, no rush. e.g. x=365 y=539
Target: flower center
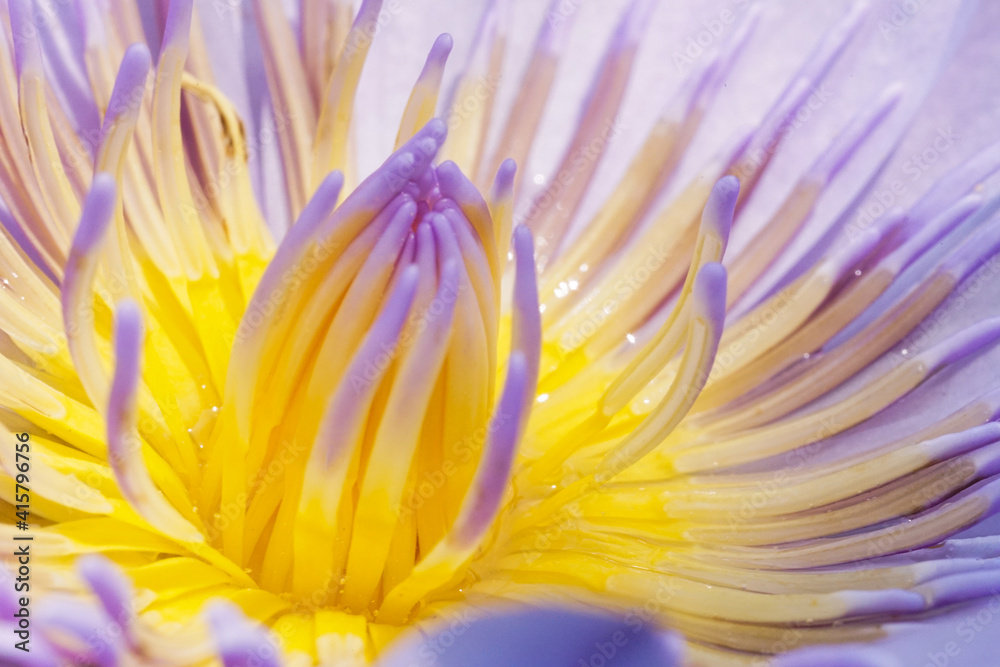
x=361 y=434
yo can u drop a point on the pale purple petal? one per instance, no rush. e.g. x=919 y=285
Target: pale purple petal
x=533 y=638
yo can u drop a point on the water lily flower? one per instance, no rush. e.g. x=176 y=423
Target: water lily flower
x=674 y=324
